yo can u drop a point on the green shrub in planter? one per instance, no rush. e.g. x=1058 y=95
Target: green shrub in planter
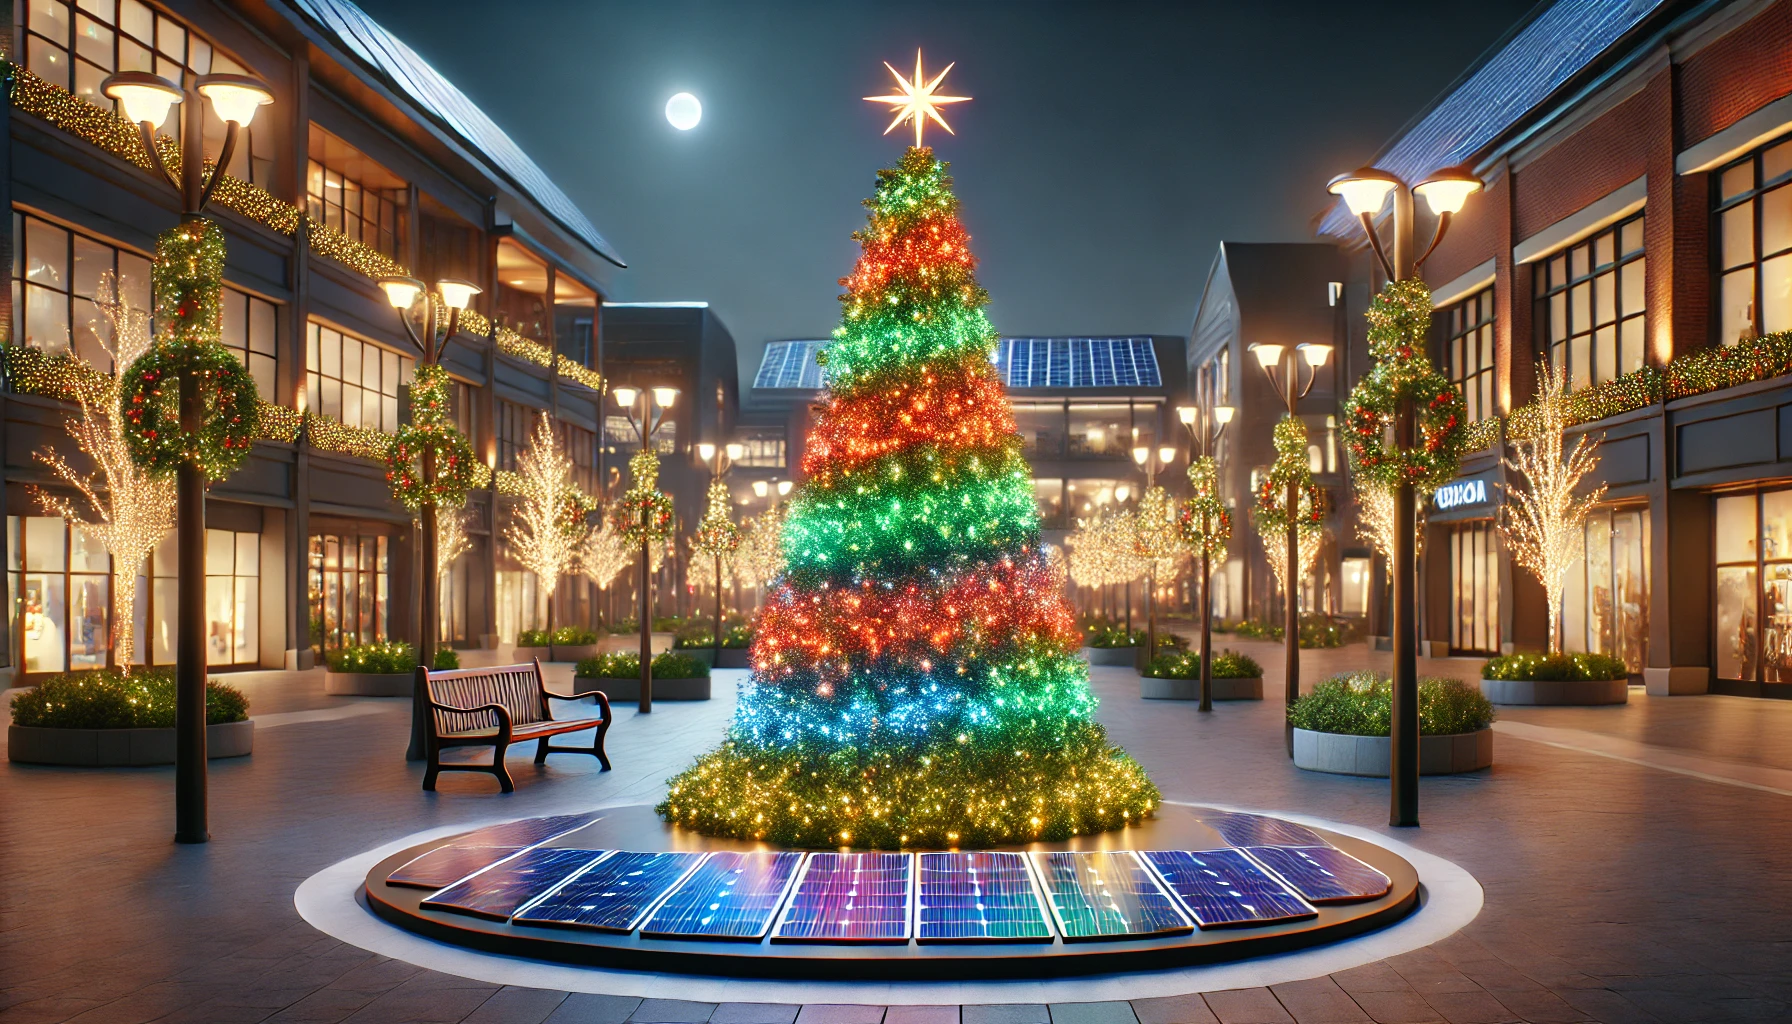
x=375 y=658
x=1226 y=665
x=533 y=638
x=574 y=636
x=106 y=699
x=1555 y=668
x=625 y=665
x=1361 y=704
x=1113 y=636
x=623 y=627
x=447 y=659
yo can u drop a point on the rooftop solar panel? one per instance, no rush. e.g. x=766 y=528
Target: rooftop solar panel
x=791 y=364
x=1323 y=874
x=1106 y=896
x=1225 y=887
x=850 y=897
x=1241 y=830
x=977 y=897
x=728 y=896
x=612 y=894
x=445 y=865
x=499 y=890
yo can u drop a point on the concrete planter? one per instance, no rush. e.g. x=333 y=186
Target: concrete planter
x=707 y=655
x=1111 y=655
x=1368 y=755
x=523 y=654
x=113 y=748
x=368 y=684
x=630 y=689
x=733 y=657
x=1543 y=691
x=630 y=643
x=573 y=652
x=1152 y=688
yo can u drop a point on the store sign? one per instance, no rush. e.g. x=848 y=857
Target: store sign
x=1463 y=492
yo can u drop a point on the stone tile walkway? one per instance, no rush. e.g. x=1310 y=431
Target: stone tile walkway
x=1616 y=889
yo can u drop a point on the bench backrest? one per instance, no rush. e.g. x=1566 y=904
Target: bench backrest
x=517 y=687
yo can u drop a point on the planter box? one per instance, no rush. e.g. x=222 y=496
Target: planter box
x=1568 y=691
x=368 y=684
x=731 y=657
x=1153 y=688
x=1368 y=755
x=523 y=654
x=108 y=748
x=734 y=657
x=707 y=655
x=630 y=643
x=630 y=689
x=572 y=652
x=1111 y=655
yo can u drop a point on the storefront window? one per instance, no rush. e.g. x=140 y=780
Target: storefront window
x=1041 y=427
x=519 y=604
x=1753 y=244
x=59 y=580
x=350 y=585
x=1101 y=431
x=1050 y=495
x=1474 y=598
x=232 y=600
x=1467 y=334
x=1357 y=577
x=1605 y=603
x=1590 y=305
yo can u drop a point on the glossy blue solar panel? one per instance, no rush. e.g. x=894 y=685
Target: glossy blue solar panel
x=526 y=832
x=499 y=890
x=791 y=364
x=850 y=897
x=1225 y=887
x=611 y=895
x=446 y=865
x=1106 y=896
x=728 y=896
x=977 y=897
x=1076 y=362
x=1243 y=830
x=1323 y=874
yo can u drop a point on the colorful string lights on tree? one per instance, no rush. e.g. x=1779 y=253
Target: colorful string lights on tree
x=915 y=677
x=1206 y=521
x=1399 y=326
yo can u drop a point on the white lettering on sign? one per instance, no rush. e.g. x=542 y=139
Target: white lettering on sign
x=1466 y=492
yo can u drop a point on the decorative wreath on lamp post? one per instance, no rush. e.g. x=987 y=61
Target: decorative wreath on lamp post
x=645 y=511
x=1206 y=521
x=457 y=470
x=1399 y=321
x=1290 y=467
x=716 y=532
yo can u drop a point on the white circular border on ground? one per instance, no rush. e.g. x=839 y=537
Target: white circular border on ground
x=1450 y=898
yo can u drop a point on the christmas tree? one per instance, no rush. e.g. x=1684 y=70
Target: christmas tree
x=915 y=674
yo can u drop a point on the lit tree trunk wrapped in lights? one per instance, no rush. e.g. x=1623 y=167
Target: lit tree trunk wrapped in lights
x=1157 y=544
x=1290 y=470
x=548 y=527
x=1545 y=520
x=644 y=516
x=717 y=537
x=915 y=676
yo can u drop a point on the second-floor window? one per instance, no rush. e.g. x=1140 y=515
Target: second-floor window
x=463 y=410
x=1467 y=332
x=249 y=333
x=349 y=192
x=1590 y=305
x=352 y=380
x=581 y=447
x=516 y=422
x=1753 y=244
x=763 y=452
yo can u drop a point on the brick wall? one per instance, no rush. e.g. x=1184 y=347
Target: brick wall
x=1736 y=75
x=1598 y=159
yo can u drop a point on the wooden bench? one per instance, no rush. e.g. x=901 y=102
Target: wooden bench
x=495 y=707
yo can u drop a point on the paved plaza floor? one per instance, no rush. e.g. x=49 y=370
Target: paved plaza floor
x=1636 y=865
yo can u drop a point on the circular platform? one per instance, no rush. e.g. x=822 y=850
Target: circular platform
x=637 y=828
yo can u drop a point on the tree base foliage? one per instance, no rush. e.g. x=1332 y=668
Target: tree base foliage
x=986 y=790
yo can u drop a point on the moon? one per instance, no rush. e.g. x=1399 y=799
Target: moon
x=683 y=111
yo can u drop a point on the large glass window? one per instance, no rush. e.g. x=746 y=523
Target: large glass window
x=76 y=45
x=232 y=600
x=1041 y=428
x=354 y=381
x=1050 y=495
x=249 y=332
x=1605 y=602
x=515 y=422
x=761 y=451
x=463 y=409
x=1466 y=329
x=575 y=319
x=1752 y=246
x=350 y=584
x=1475 y=590
x=59 y=580
x=1590 y=305
x=351 y=193
x=581 y=447
x=1100 y=431
x=1754 y=623
x=520 y=302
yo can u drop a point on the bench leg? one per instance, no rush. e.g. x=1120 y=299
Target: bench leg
x=433 y=752
x=541 y=750
x=500 y=771
x=597 y=744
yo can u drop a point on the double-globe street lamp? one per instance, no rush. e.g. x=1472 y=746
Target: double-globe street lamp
x=1365 y=191
x=1205 y=425
x=146 y=99
x=1151 y=461
x=720 y=462
x=654 y=404
x=1282 y=365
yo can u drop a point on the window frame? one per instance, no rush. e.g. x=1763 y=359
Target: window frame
x=1448 y=330
x=317 y=382
x=1761 y=186
x=1558 y=283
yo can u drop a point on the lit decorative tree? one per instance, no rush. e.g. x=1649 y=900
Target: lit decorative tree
x=1101 y=550
x=717 y=537
x=134 y=508
x=915 y=670
x=605 y=553
x=1375 y=519
x=1545 y=520
x=1157 y=545
x=759 y=558
x=548 y=526
x=452 y=539
x=1272 y=512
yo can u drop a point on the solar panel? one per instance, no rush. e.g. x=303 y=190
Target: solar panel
x=446 y=865
x=977 y=897
x=728 y=896
x=500 y=889
x=525 y=832
x=1077 y=362
x=790 y=364
x=1106 y=896
x=849 y=897
x=1225 y=887
x=1242 y=830
x=1323 y=874
x=612 y=894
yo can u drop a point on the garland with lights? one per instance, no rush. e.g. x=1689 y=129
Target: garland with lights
x=644 y=512
x=915 y=678
x=716 y=533
x=1206 y=521
x=457 y=468
x=188 y=277
x=1290 y=467
x=1399 y=323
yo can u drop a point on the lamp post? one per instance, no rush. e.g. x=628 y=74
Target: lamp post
x=1205 y=427
x=1151 y=460
x=146 y=99
x=1287 y=385
x=723 y=460
x=654 y=404
x=1365 y=191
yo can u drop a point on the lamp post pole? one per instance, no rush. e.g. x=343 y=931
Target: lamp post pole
x=146 y=100
x=1286 y=382
x=1205 y=425
x=1365 y=191
x=655 y=403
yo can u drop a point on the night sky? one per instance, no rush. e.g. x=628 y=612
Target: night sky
x=1107 y=150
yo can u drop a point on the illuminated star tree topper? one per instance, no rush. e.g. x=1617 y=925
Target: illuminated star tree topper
x=917 y=101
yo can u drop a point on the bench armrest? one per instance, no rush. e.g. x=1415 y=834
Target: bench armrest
x=502 y=711
x=545 y=692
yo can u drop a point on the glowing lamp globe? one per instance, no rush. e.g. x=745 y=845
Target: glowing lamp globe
x=401 y=291
x=456 y=293
x=235 y=98
x=1448 y=189
x=144 y=98
x=683 y=111
x=1363 y=190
